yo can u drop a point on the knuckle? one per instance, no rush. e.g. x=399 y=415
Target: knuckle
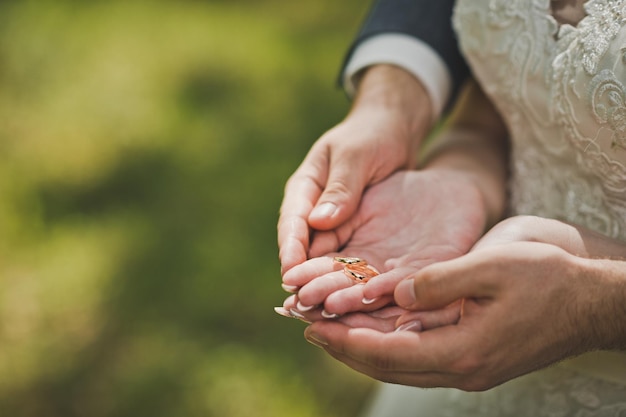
x=338 y=188
x=468 y=365
x=518 y=228
x=428 y=286
x=293 y=182
x=475 y=384
x=473 y=373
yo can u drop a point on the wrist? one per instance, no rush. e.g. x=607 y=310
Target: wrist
x=473 y=157
x=606 y=317
x=474 y=142
x=396 y=92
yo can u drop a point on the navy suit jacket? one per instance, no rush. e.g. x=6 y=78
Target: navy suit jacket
x=427 y=20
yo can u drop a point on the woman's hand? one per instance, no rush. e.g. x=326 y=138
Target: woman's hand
x=381 y=134
x=527 y=304
x=406 y=222
x=414 y=218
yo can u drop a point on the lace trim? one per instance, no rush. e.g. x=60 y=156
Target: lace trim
x=567 y=120
x=604 y=20
x=608 y=103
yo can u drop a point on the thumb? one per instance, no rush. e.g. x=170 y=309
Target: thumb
x=340 y=197
x=441 y=284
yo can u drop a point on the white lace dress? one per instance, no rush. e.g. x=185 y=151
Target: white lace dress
x=562 y=92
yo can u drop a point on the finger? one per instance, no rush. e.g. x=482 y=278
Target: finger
x=383 y=323
x=321 y=281
x=440 y=284
x=309 y=316
x=385 y=283
x=342 y=193
x=386 y=317
x=292 y=243
x=575 y=239
x=323 y=242
x=389 y=311
x=316 y=291
x=398 y=270
x=301 y=193
x=288 y=309
x=431 y=319
x=351 y=299
x=302 y=274
x=292 y=308
x=436 y=350
x=381 y=319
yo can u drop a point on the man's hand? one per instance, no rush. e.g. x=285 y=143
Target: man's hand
x=381 y=134
x=404 y=223
x=512 y=307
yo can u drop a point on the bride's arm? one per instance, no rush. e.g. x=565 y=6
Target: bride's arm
x=474 y=143
x=417 y=217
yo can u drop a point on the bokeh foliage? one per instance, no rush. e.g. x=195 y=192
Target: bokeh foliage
x=143 y=151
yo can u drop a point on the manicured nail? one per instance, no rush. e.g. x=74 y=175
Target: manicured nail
x=290 y=288
x=302 y=307
x=411 y=326
x=297 y=315
x=329 y=315
x=405 y=293
x=368 y=301
x=316 y=339
x=283 y=312
x=324 y=210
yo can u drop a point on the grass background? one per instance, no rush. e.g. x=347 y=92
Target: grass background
x=143 y=151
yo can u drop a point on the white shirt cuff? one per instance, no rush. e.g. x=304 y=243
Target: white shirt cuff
x=409 y=53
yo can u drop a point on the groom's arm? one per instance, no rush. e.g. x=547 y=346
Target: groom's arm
x=415 y=35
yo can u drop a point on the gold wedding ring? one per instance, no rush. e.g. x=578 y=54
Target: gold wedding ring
x=357 y=269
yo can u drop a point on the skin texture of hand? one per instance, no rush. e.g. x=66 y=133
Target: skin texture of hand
x=410 y=220
x=527 y=304
x=380 y=135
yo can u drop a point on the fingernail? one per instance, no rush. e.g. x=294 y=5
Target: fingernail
x=324 y=210
x=405 y=293
x=329 y=315
x=302 y=307
x=290 y=288
x=283 y=312
x=296 y=314
x=411 y=326
x=317 y=340
x=368 y=301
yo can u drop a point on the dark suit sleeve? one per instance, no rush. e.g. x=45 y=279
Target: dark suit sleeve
x=427 y=20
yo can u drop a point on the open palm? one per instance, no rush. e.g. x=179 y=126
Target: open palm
x=410 y=220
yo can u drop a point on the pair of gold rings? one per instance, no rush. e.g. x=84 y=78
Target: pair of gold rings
x=357 y=269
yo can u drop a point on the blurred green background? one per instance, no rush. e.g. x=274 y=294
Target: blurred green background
x=143 y=151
